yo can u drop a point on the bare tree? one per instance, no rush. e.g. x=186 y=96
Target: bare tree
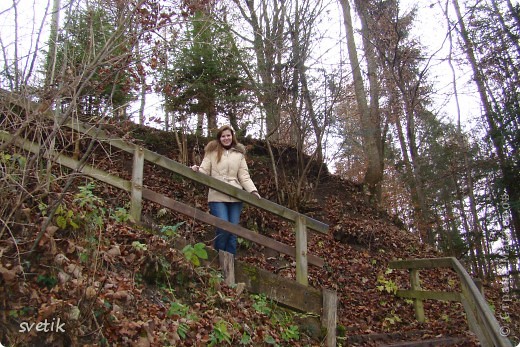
x=266 y=20
x=367 y=104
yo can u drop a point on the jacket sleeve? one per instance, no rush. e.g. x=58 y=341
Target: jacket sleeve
x=244 y=178
x=205 y=166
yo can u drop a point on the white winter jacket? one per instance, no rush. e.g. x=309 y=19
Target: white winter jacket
x=232 y=169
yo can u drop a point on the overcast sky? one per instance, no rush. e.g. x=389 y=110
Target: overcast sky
x=430 y=28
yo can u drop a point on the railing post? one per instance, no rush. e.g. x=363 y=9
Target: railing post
x=417 y=303
x=301 y=251
x=137 y=184
x=329 y=316
x=227 y=264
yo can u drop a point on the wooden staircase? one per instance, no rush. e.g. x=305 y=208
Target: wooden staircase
x=296 y=294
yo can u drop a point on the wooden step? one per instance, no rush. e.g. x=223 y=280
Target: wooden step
x=401 y=339
x=438 y=342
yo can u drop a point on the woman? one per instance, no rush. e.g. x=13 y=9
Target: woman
x=224 y=159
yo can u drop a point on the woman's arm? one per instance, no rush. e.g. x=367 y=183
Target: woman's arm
x=205 y=166
x=245 y=178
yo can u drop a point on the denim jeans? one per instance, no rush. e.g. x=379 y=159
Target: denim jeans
x=229 y=211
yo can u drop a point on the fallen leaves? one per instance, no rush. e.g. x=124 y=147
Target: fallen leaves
x=9 y=275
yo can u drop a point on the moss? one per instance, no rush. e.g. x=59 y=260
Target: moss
x=250 y=271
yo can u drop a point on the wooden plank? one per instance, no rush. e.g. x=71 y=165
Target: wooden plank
x=436 y=342
x=70 y=163
x=236 y=192
x=428 y=295
x=227 y=264
x=136 y=199
x=222 y=224
x=329 y=316
x=425 y=263
x=282 y=290
x=302 y=271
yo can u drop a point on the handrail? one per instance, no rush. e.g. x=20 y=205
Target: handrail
x=160 y=199
x=480 y=318
x=209 y=181
x=302 y=222
x=155 y=158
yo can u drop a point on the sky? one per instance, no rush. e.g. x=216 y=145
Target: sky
x=430 y=28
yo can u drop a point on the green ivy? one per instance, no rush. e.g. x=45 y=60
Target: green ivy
x=170 y=231
x=194 y=253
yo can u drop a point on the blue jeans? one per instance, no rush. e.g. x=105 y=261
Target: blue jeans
x=228 y=211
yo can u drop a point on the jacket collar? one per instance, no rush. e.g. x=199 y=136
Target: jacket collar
x=213 y=146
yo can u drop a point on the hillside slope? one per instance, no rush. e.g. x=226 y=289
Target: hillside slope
x=362 y=241
x=118 y=284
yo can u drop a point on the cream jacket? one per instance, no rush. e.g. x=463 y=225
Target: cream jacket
x=231 y=169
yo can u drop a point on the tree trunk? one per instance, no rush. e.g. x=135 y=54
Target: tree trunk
x=416 y=192
x=372 y=142
x=53 y=47
x=268 y=47
x=142 y=78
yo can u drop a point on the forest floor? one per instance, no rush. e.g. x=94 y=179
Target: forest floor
x=112 y=282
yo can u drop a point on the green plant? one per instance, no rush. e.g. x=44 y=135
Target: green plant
x=84 y=257
x=244 y=242
x=291 y=332
x=15 y=161
x=386 y=285
x=92 y=207
x=65 y=217
x=178 y=309
x=215 y=278
x=260 y=304
x=120 y=215
x=182 y=330
x=270 y=340
x=139 y=246
x=170 y=231
x=43 y=208
x=194 y=253
x=390 y=320
x=48 y=281
x=19 y=313
x=245 y=339
x=219 y=334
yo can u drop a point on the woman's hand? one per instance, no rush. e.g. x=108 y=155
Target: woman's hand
x=195 y=168
x=255 y=193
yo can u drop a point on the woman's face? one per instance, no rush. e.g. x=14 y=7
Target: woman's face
x=226 y=138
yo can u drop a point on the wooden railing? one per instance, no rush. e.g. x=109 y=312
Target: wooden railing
x=307 y=299
x=480 y=319
x=138 y=191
